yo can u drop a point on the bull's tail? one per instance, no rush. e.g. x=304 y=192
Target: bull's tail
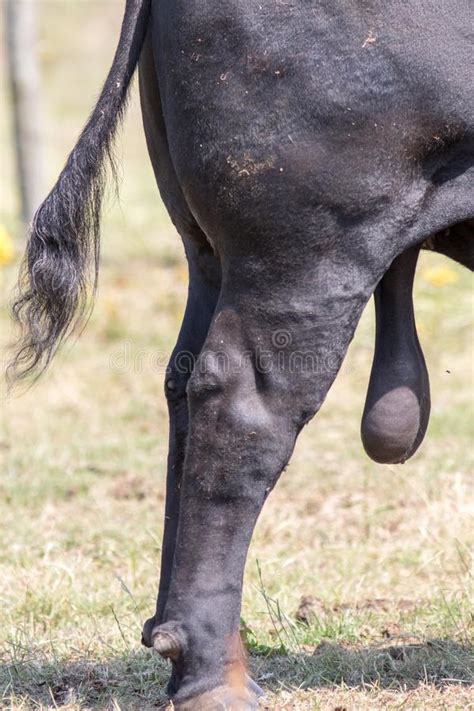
x=59 y=272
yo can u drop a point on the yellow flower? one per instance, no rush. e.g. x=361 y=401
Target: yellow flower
x=183 y=275
x=7 y=248
x=439 y=276
x=421 y=328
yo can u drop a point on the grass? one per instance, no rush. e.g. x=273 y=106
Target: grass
x=382 y=553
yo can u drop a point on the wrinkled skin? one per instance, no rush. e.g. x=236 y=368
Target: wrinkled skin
x=305 y=151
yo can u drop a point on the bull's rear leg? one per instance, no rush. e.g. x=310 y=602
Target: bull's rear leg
x=270 y=357
x=204 y=288
x=397 y=408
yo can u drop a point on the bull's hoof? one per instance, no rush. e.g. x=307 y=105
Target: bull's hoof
x=224 y=698
x=169 y=640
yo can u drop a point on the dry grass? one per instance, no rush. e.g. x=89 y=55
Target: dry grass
x=385 y=551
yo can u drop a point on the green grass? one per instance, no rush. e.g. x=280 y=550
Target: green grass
x=384 y=551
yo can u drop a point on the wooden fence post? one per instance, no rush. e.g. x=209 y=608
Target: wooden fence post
x=24 y=78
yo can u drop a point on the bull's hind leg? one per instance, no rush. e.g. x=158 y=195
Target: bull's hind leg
x=271 y=354
x=397 y=408
x=204 y=287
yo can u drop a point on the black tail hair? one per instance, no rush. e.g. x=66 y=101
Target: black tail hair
x=59 y=271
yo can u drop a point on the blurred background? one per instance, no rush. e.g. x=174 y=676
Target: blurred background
x=381 y=553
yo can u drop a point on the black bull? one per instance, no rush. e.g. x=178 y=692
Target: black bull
x=305 y=152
